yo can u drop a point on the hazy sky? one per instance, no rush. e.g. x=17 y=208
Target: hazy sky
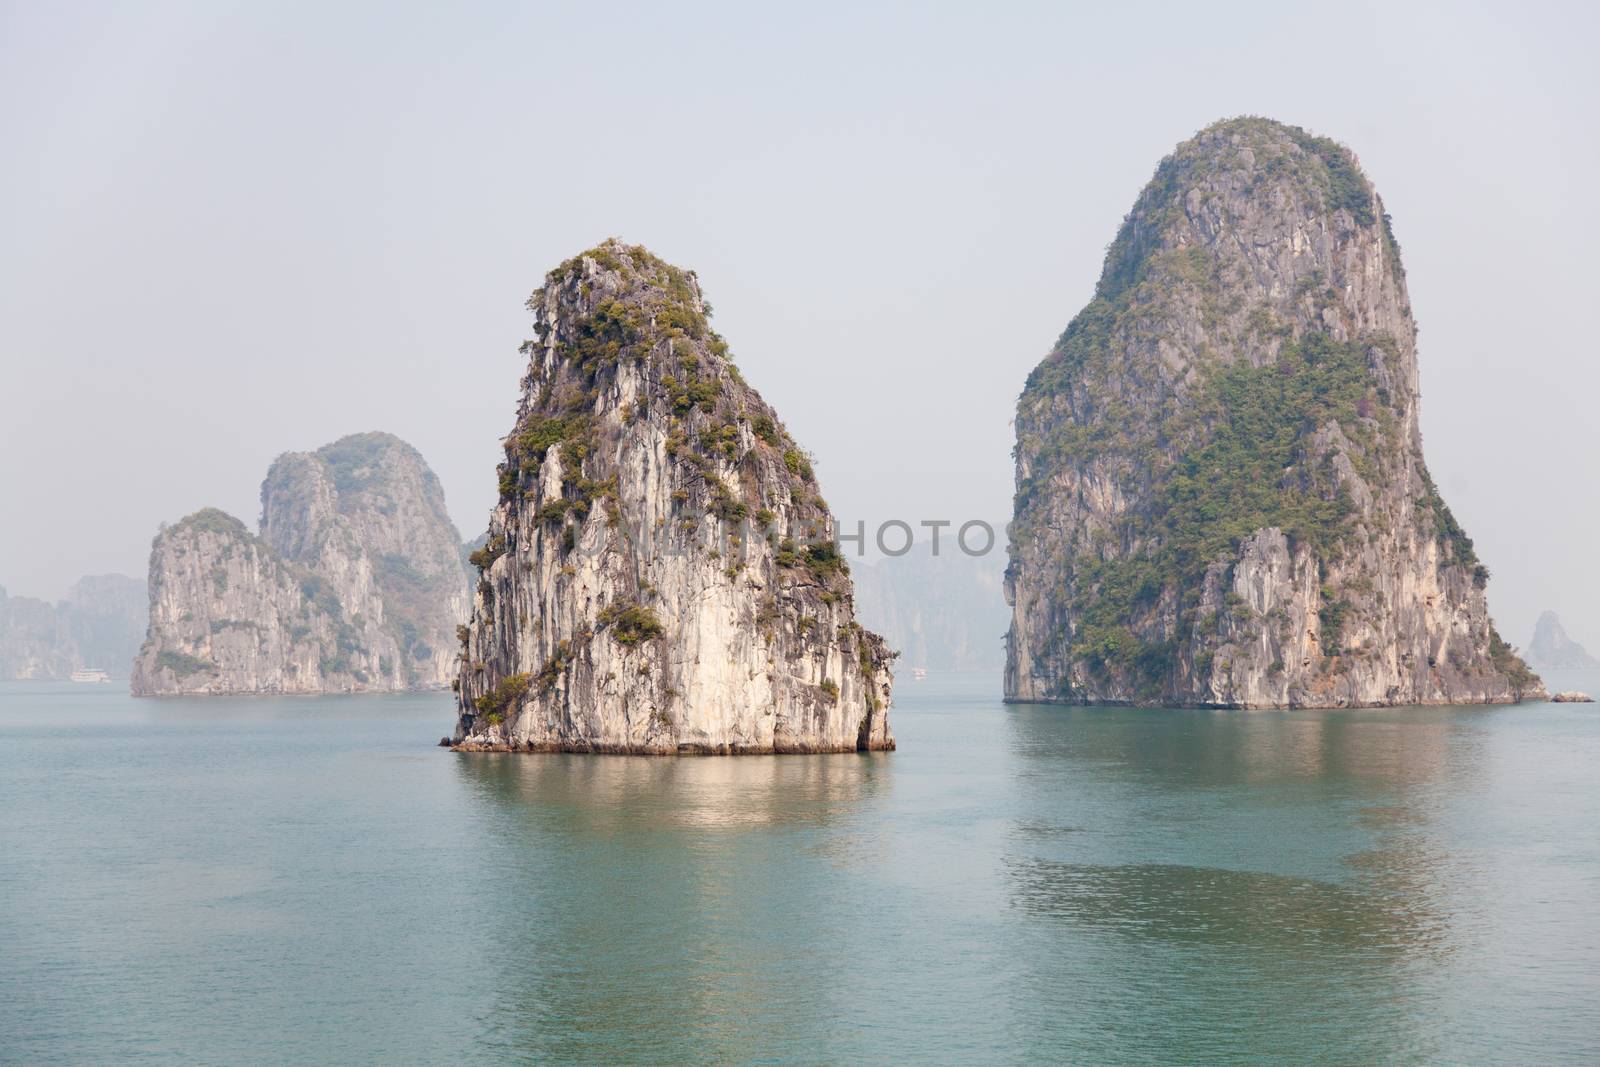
x=232 y=231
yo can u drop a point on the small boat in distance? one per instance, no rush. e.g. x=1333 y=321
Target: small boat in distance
x=90 y=674
x=919 y=673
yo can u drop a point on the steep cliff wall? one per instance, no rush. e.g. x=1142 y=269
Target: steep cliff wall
x=367 y=515
x=355 y=583
x=106 y=618
x=1221 y=495
x=34 y=640
x=99 y=624
x=228 y=615
x=660 y=574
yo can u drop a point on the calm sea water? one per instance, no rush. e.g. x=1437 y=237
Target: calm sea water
x=310 y=881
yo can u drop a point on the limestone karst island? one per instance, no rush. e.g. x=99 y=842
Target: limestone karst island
x=1033 y=619
x=355 y=583
x=661 y=573
x=1220 y=491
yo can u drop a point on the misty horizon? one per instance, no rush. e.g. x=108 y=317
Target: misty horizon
x=211 y=266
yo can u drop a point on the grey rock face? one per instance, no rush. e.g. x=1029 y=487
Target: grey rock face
x=99 y=624
x=944 y=612
x=660 y=574
x=34 y=640
x=106 y=617
x=1221 y=495
x=356 y=582
x=1551 y=648
x=367 y=515
x=229 y=615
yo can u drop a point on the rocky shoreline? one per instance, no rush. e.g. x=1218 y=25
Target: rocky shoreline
x=686 y=749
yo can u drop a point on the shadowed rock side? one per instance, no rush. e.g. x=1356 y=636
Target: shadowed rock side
x=356 y=582
x=660 y=574
x=1221 y=496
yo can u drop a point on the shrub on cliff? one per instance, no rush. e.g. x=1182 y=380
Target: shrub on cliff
x=630 y=622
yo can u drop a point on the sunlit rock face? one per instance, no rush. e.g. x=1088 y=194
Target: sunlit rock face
x=355 y=583
x=1221 y=495
x=660 y=574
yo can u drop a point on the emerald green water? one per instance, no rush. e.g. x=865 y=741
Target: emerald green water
x=310 y=881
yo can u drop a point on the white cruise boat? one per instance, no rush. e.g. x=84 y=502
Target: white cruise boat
x=90 y=674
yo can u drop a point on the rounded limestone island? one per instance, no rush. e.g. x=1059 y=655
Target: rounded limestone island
x=1572 y=696
x=1221 y=495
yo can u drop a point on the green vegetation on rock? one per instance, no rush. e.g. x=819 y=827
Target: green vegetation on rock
x=1246 y=426
x=1457 y=545
x=637 y=462
x=182 y=664
x=628 y=622
x=649 y=314
x=1507 y=662
x=356 y=461
x=217 y=521
x=1246 y=364
x=493 y=704
x=1346 y=189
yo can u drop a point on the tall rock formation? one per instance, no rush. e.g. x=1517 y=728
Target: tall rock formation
x=106 y=616
x=942 y=612
x=661 y=573
x=1221 y=496
x=356 y=582
x=229 y=615
x=99 y=624
x=367 y=515
x=1551 y=648
x=34 y=641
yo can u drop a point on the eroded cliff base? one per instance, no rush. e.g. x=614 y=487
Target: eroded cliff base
x=686 y=749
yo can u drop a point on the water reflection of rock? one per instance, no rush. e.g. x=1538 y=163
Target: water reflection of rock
x=648 y=904
x=656 y=794
x=1267 y=912
x=1214 y=966
x=1301 y=853
x=1403 y=746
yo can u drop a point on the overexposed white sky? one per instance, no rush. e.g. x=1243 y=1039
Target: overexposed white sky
x=235 y=230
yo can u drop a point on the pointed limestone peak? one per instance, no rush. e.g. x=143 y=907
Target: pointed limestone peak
x=661 y=574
